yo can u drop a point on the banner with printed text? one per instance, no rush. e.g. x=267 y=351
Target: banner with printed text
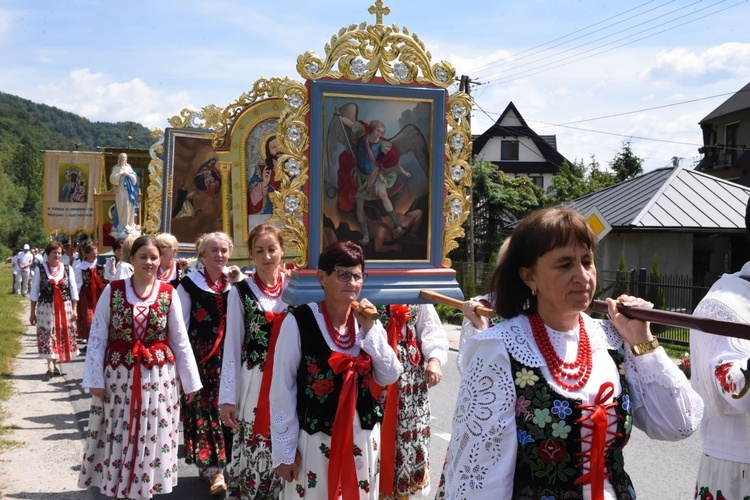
x=69 y=182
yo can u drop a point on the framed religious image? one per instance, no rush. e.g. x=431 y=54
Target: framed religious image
x=258 y=156
x=192 y=204
x=379 y=150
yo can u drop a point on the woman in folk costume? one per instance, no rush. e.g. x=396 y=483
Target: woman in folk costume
x=171 y=269
x=54 y=300
x=325 y=419
x=416 y=334
x=549 y=396
x=203 y=295
x=137 y=348
x=91 y=283
x=254 y=315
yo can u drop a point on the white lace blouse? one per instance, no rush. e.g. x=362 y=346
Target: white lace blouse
x=386 y=369
x=231 y=362
x=93 y=368
x=431 y=334
x=484 y=444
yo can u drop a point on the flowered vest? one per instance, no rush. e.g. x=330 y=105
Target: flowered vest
x=86 y=275
x=549 y=439
x=46 y=290
x=318 y=388
x=122 y=345
x=257 y=329
x=208 y=312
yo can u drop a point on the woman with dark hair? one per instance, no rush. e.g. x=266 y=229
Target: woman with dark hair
x=549 y=396
x=203 y=295
x=255 y=312
x=137 y=347
x=54 y=301
x=90 y=279
x=325 y=421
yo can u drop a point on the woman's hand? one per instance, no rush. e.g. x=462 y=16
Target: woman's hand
x=229 y=415
x=469 y=308
x=97 y=392
x=235 y=274
x=190 y=397
x=32 y=318
x=633 y=331
x=289 y=472
x=364 y=321
x=433 y=374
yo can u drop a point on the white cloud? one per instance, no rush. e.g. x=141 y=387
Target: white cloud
x=727 y=60
x=99 y=98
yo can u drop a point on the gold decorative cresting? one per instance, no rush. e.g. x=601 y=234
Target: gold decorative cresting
x=359 y=53
x=290 y=203
x=152 y=221
x=225 y=168
x=457 y=173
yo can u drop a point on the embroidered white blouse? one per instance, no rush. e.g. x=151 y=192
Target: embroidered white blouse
x=93 y=368
x=482 y=454
x=431 y=334
x=386 y=369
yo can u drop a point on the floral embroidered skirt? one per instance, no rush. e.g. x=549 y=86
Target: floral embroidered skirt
x=206 y=439
x=412 y=467
x=251 y=472
x=111 y=443
x=46 y=335
x=722 y=479
x=313 y=473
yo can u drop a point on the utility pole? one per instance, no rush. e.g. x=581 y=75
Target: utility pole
x=465 y=86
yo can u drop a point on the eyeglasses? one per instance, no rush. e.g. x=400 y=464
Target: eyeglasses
x=346 y=276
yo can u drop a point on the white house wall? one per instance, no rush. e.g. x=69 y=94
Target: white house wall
x=674 y=250
x=527 y=150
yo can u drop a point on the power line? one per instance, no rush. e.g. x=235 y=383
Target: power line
x=588 y=53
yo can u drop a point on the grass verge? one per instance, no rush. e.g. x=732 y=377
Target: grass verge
x=11 y=330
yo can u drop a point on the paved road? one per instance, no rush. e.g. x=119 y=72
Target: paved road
x=659 y=470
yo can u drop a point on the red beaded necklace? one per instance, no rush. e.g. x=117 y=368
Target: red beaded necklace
x=580 y=369
x=343 y=340
x=147 y=291
x=164 y=276
x=271 y=291
x=217 y=287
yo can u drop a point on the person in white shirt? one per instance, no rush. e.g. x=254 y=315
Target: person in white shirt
x=24 y=260
x=16 y=273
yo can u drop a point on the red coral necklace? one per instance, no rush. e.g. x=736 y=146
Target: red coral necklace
x=164 y=276
x=146 y=292
x=217 y=287
x=271 y=291
x=580 y=369
x=343 y=340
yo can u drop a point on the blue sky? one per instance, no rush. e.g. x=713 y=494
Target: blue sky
x=559 y=61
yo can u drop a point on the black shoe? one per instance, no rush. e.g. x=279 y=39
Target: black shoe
x=48 y=375
x=82 y=350
x=57 y=373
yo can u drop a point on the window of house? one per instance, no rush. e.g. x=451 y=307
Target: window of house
x=509 y=150
x=538 y=180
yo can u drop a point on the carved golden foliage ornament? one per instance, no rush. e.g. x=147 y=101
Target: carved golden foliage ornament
x=152 y=221
x=290 y=204
x=359 y=53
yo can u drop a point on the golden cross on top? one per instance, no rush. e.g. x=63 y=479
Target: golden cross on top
x=379 y=10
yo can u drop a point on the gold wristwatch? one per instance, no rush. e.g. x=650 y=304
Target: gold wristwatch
x=645 y=347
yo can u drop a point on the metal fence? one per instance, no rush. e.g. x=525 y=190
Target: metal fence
x=679 y=293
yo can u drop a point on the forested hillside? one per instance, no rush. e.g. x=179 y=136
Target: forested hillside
x=28 y=128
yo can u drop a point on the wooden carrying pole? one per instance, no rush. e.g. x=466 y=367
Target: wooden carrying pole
x=708 y=325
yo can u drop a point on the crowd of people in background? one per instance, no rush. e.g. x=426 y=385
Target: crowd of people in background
x=330 y=399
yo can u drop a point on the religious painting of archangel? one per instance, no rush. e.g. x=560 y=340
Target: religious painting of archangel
x=194 y=205
x=377 y=169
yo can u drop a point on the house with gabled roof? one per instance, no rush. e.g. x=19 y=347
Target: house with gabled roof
x=693 y=222
x=726 y=139
x=519 y=151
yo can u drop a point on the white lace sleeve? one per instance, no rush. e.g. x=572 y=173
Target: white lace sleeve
x=186 y=303
x=482 y=452
x=187 y=367
x=283 y=397
x=93 y=367
x=35 y=285
x=231 y=361
x=431 y=333
x=73 y=285
x=386 y=368
x=665 y=406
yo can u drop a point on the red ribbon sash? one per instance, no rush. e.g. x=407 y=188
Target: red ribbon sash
x=400 y=316
x=97 y=286
x=262 y=424
x=342 y=473
x=598 y=422
x=61 y=321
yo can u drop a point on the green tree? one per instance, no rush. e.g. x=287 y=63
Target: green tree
x=626 y=164
x=656 y=292
x=622 y=285
x=574 y=180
